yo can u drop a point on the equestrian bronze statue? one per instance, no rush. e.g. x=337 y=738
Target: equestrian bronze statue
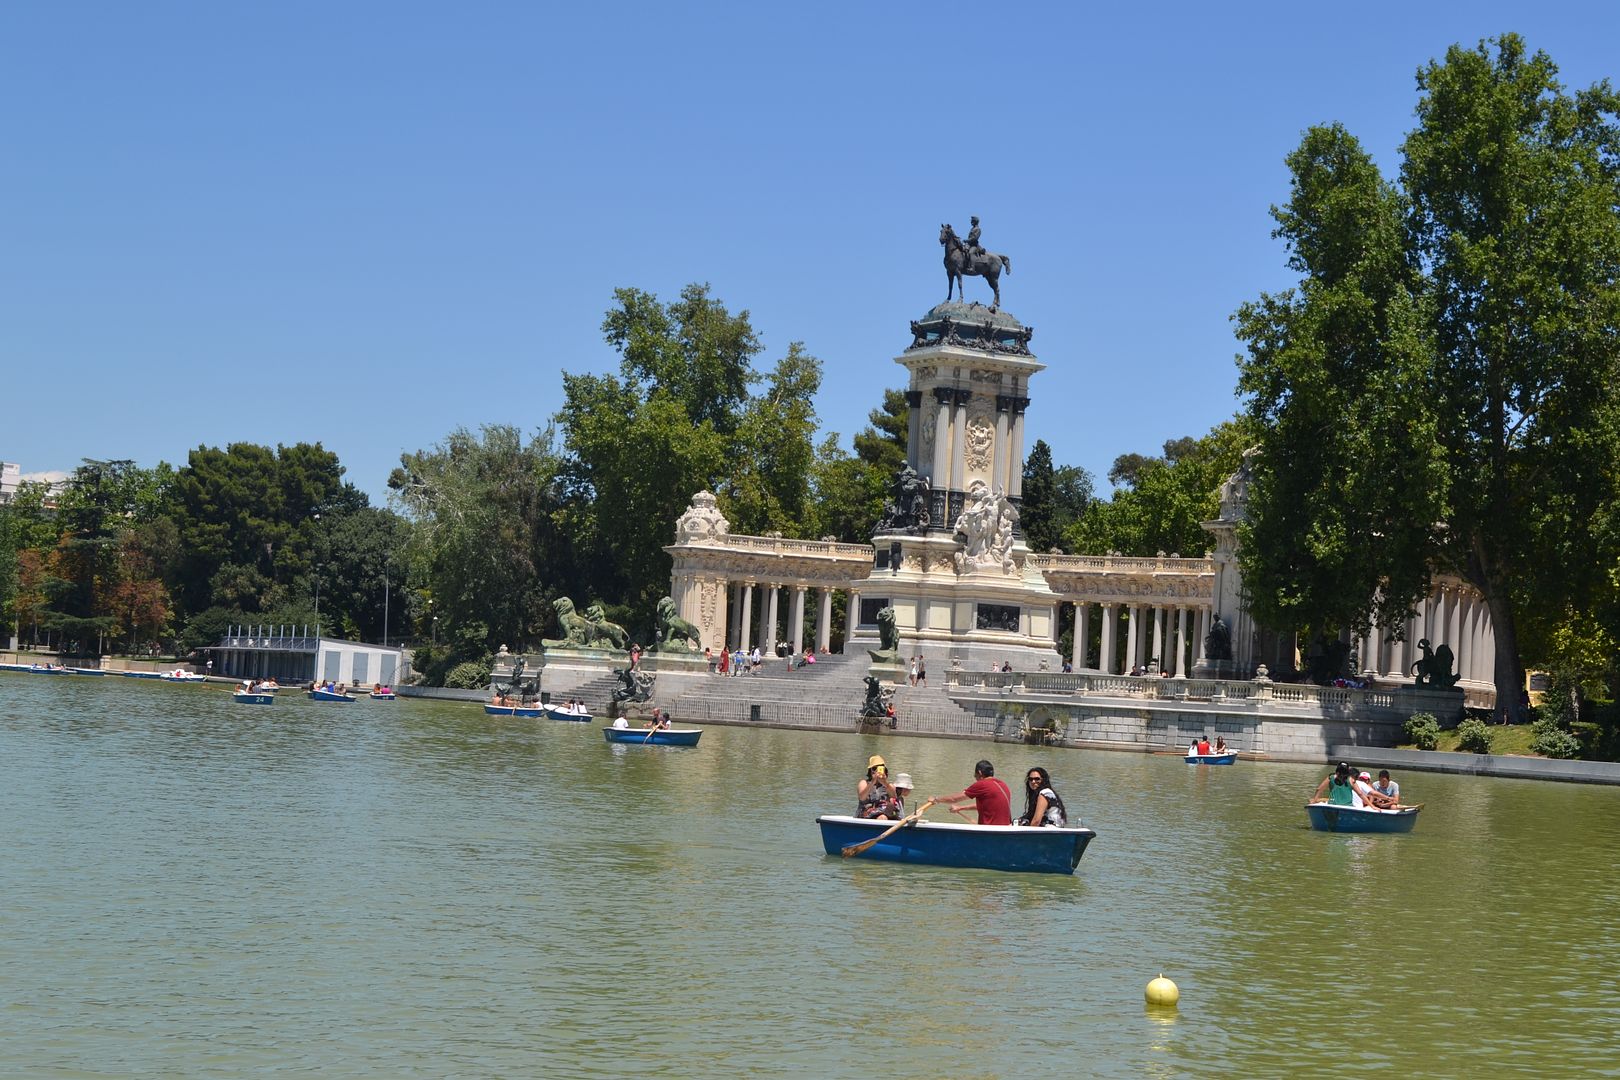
x=973 y=260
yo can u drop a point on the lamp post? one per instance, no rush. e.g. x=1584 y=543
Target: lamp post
x=435 y=631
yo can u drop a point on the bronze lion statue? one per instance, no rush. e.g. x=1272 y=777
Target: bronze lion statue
x=675 y=634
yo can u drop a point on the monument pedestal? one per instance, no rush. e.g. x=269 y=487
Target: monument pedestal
x=562 y=671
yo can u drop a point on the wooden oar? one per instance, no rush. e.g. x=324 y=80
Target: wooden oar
x=910 y=819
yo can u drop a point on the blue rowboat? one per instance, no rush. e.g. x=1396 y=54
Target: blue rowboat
x=533 y=712
x=329 y=695
x=648 y=737
x=140 y=675
x=557 y=712
x=254 y=699
x=47 y=669
x=1325 y=817
x=1015 y=848
x=382 y=695
x=85 y=671
x=1212 y=759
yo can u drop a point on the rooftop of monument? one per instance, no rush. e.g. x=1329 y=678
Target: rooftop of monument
x=972 y=326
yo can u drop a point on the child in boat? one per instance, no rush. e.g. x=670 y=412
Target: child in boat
x=1338 y=789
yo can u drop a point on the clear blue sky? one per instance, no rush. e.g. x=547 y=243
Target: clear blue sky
x=365 y=224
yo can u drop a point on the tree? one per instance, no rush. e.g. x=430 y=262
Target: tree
x=692 y=350
x=491 y=542
x=770 y=488
x=1036 y=513
x=850 y=490
x=1349 y=480
x=1505 y=285
x=1167 y=501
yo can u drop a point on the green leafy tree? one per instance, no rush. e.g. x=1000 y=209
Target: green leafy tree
x=491 y=543
x=769 y=487
x=1167 y=499
x=1037 y=511
x=851 y=489
x=1506 y=280
x=1349 y=480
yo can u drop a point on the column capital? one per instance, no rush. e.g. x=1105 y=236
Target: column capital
x=1019 y=404
x=945 y=395
x=914 y=399
x=1005 y=402
x=963 y=395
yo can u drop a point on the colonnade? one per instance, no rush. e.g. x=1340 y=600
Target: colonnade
x=948 y=465
x=1454 y=615
x=759 y=622
x=1133 y=635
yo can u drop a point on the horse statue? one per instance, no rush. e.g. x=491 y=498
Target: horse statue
x=1434 y=668
x=959 y=261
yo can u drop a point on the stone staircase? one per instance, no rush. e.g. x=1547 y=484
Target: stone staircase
x=827 y=695
x=597 y=694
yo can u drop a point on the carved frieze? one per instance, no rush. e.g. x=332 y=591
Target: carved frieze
x=981 y=441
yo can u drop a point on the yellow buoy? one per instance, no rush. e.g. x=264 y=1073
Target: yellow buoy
x=1162 y=991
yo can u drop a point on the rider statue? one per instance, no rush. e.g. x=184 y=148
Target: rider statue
x=974 y=249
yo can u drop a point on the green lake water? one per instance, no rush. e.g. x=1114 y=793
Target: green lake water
x=191 y=887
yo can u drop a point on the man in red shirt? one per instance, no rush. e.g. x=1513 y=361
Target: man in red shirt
x=990 y=796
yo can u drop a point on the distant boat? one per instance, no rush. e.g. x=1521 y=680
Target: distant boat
x=141 y=674
x=557 y=712
x=329 y=695
x=244 y=698
x=653 y=737
x=1326 y=817
x=47 y=669
x=531 y=712
x=382 y=695
x=1212 y=759
x=182 y=675
x=1014 y=848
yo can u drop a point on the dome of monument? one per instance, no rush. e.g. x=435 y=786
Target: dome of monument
x=971 y=326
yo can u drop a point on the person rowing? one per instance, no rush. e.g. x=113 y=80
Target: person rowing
x=991 y=797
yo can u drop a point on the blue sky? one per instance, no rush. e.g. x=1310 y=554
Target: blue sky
x=366 y=224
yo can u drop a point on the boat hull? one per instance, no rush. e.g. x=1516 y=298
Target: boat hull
x=648 y=737
x=1212 y=759
x=1325 y=817
x=327 y=695
x=1012 y=848
x=568 y=717
x=383 y=697
x=255 y=699
x=533 y=713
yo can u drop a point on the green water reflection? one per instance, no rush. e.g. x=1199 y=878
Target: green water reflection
x=193 y=887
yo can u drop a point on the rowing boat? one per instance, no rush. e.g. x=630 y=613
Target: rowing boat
x=1212 y=759
x=533 y=712
x=329 y=695
x=557 y=712
x=1326 y=817
x=243 y=698
x=1014 y=848
x=653 y=737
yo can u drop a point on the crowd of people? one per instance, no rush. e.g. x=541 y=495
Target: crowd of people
x=879 y=796
x=737 y=662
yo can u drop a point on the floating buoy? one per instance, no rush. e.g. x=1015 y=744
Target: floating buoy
x=1162 y=991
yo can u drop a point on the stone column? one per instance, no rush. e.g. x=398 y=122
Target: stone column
x=734 y=634
x=1157 y=652
x=852 y=615
x=913 y=426
x=1136 y=635
x=1369 y=658
x=1015 y=471
x=1200 y=632
x=999 y=464
x=959 y=440
x=769 y=639
x=1181 y=642
x=747 y=614
x=1475 y=637
x=1082 y=620
x=1110 y=621
x=824 y=620
x=796 y=614
x=941 y=477
x=1454 y=619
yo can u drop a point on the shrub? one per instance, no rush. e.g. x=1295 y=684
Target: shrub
x=1423 y=730
x=468 y=675
x=1474 y=737
x=1548 y=739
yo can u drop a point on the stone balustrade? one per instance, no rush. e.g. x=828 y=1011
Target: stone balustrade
x=1262 y=693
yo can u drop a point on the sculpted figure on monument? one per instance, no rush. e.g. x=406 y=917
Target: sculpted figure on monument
x=888 y=650
x=702 y=520
x=675 y=634
x=972 y=260
x=1218 y=642
x=1434 y=667
x=985 y=529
